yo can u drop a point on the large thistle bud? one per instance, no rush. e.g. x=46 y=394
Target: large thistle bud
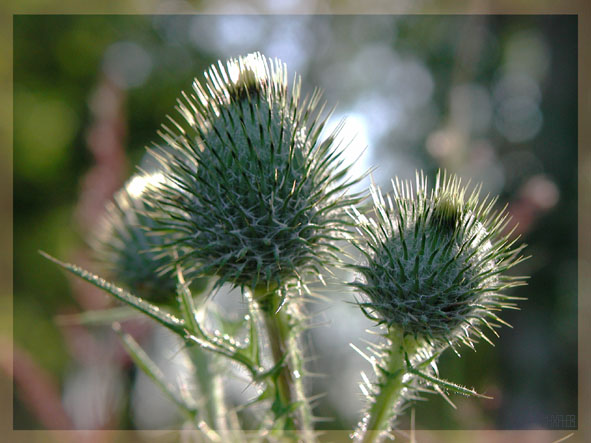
x=436 y=261
x=257 y=197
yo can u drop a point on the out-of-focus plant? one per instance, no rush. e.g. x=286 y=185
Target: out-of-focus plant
x=249 y=192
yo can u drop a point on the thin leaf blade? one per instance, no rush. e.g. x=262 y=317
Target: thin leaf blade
x=99 y=317
x=147 y=365
x=164 y=318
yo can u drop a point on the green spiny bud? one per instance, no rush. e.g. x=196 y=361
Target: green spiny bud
x=125 y=244
x=435 y=262
x=259 y=197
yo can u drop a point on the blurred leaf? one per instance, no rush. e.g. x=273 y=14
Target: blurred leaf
x=150 y=368
x=162 y=317
x=99 y=317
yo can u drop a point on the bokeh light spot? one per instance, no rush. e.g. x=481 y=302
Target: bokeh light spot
x=127 y=64
x=44 y=127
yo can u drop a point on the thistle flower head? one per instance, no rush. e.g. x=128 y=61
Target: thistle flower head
x=124 y=243
x=257 y=194
x=435 y=261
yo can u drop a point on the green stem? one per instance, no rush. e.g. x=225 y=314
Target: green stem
x=210 y=385
x=208 y=378
x=291 y=403
x=383 y=408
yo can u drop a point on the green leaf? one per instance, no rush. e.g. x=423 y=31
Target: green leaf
x=223 y=349
x=273 y=372
x=267 y=394
x=187 y=303
x=150 y=368
x=446 y=384
x=162 y=317
x=99 y=316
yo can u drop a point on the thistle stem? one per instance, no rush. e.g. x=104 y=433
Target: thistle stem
x=383 y=408
x=282 y=327
x=278 y=335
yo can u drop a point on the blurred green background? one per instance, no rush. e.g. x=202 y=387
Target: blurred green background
x=492 y=98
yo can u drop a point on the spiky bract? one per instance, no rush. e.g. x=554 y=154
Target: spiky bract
x=435 y=261
x=125 y=244
x=261 y=196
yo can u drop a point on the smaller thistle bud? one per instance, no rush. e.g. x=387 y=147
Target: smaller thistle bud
x=124 y=241
x=435 y=261
x=259 y=197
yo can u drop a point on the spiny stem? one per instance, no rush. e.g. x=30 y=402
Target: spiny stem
x=282 y=329
x=383 y=408
x=277 y=332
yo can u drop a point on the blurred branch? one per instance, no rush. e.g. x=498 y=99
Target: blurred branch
x=106 y=142
x=36 y=388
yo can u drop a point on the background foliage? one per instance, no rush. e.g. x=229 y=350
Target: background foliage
x=493 y=98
